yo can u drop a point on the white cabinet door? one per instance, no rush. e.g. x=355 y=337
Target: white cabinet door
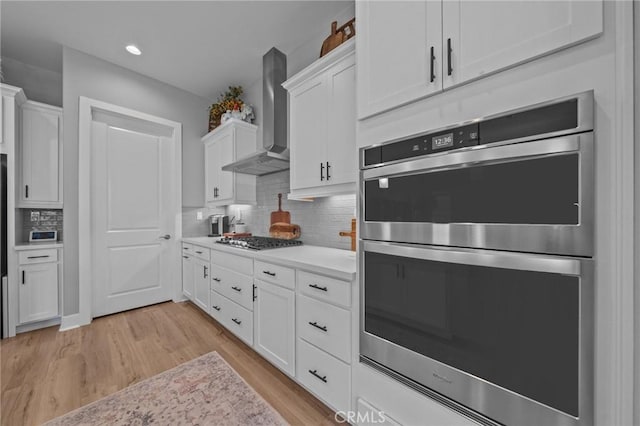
x=225 y=179
x=41 y=156
x=487 y=36
x=187 y=276
x=201 y=287
x=308 y=133
x=341 y=142
x=223 y=146
x=211 y=171
x=393 y=49
x=274 y=325
x=38 y=294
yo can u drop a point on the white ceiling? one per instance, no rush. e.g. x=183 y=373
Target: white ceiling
x=199 y=46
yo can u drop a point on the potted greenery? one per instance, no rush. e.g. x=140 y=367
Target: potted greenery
x=227 y=101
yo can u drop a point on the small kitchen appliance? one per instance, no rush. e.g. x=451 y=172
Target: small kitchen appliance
x=219 y=225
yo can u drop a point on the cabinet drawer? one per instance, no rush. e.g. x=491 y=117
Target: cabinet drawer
x=218 y=307
x=324 y=375
x=27 y=257
x=233 y=285
x=201 y=253
x=241 y=264
x=275 y=274
x=187 y=248
x=326 y=326
x=325 y=288
x=239 y=321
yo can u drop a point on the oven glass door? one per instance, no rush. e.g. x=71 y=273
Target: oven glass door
x=523 y=197
x=489 y=315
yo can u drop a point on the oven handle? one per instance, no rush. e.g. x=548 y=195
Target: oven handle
x=479 y=257
x=482 y=154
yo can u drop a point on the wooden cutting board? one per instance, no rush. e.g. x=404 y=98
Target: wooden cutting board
x=287 y=231
x=280 y=216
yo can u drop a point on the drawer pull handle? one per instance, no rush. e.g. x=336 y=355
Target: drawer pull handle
x=199 y=252
x=316 y=375
x=238 y=289
x=185 y=248
x=186 y=257
x=317 y=287
x=237 y=321
x=273 y=274
x=216 y=279
x=319 y=327
x=37 y=257
x=217 y=308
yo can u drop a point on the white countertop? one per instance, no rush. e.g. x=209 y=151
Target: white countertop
x=340 y=264
x=37 y=246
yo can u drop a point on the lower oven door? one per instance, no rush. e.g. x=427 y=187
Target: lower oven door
x=509 y=335
x=530 y=197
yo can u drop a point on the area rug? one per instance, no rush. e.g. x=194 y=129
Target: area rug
x=203 y=391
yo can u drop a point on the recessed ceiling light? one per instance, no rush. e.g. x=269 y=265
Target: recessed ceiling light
x=133 y=49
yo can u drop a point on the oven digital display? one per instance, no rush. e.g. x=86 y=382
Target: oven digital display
x=442 y=141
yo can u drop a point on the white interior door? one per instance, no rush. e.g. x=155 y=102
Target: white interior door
x=133 y=199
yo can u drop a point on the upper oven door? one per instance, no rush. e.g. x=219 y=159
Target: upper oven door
x=531 y=196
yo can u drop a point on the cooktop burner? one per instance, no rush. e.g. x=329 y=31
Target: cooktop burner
x=258 y=243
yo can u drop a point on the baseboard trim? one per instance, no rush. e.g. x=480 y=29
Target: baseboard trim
x=30 y=326
x=69 y=322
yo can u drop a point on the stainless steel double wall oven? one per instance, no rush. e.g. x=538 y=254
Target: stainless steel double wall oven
x=476 y=245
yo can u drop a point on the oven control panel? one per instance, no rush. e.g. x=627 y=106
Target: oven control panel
x=459 y=137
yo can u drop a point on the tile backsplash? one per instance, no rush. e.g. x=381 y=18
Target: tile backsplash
x=40 y=220
x=320 y=221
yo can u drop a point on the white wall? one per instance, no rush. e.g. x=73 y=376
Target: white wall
x=85 y=75
x=39 y=84
x=636 y=13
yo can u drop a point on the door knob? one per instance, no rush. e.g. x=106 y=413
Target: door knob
x=166 y=237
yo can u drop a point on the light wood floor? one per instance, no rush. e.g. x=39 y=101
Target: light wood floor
x=46 y=373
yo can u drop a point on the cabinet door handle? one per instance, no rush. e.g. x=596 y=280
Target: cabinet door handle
x=216 y=279
x=37 y=257
x=186 y=257
x=199 y=252
x=321 y=171
x=449 y=50
x=432 y=61
x=26 y=191
x=319 y=327
x=238 y=289
x=273 y=274
x=217 y=308
x=316 y=375
x=255 y=296
x=317 y=287
x=22 y=277
x=328 y=175
x=205 y=270
x=237 y=321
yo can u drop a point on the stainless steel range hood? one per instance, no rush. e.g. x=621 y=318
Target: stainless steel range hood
x=275 y=158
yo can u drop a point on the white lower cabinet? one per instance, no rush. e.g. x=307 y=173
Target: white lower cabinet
x=323 y=325
x=187 y=275
x=324 y=375
x=38 y=291
x=201 y=287
x=274 y=323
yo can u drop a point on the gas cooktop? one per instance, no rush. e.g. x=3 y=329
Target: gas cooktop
x=258 y=243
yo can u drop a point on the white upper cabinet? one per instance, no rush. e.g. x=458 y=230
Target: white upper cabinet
x=322 y=126
x=232 y=140
x=41 y=156
x=409 y=50
x=395 y=42
x=489 y=36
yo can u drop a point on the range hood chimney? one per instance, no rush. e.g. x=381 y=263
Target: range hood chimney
x=275 y=157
